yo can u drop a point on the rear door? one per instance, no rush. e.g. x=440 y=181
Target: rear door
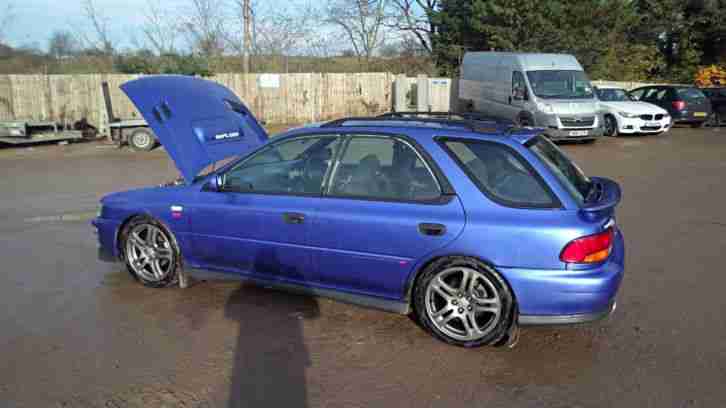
x=384 y=210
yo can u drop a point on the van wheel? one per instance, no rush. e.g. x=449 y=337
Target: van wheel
x=611 y=126
x=525 y=121
x=464 y=302
x=142 y=140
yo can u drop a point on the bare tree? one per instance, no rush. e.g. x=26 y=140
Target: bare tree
x=205 y=26
x=285 y=32
x=99 y=38
x=7 y=14
x=160 y=30
x=362 y=23
x=413 y=17
x=62 y=44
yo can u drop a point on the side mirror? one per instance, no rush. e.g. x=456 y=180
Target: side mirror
x=216 y=184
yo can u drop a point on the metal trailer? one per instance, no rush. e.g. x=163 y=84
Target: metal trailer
x=19 y=132
x=134 y=132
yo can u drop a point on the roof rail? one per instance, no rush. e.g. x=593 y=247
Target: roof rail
x=470 y=121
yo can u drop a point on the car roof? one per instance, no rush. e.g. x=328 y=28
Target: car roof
x=421 y=126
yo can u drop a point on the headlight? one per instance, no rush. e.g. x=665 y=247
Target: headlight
x=627 y=115
x=545 y=108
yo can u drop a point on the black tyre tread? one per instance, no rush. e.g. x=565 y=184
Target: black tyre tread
x=615 y=132
x=173 y=278
x=498 y=336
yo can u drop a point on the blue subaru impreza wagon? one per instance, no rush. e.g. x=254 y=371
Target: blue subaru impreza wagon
x=474 y=227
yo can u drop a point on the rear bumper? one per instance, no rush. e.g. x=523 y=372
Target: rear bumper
x=106 y=232
x=566 y=134
x=568 y=296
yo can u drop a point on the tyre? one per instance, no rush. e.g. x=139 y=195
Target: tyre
x=142 y=140
x=150 y=252
x=525 y=121
x=698 y=125
x=464 y=302
x=611 y=126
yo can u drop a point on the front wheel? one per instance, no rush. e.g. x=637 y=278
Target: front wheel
x=464 y=302
x=611 y=126
x=150 y=252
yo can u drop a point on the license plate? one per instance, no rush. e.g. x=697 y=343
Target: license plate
x=699 y=114
x=652 y=124
x=574 y=133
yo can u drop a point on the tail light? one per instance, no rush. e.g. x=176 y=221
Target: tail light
x=589 y=249
x=679 y=105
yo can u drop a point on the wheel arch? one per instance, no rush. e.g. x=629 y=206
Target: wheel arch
x=418 y=271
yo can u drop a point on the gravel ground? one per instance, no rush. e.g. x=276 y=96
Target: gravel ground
x=76 y=332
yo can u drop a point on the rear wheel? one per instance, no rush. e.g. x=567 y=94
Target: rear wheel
x=142 y=140
x=464 y=302
x=698 y=125
x=611 y=126
x=150 y=252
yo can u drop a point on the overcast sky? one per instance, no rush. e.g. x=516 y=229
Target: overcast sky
x=35 y=20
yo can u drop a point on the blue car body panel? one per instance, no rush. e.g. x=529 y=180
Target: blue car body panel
x=199 y=122
x=368 y=248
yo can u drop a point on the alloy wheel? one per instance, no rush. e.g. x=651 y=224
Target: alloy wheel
x=149 y=252
x=463 y=303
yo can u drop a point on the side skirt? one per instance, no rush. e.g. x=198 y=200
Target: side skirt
x=352 y=298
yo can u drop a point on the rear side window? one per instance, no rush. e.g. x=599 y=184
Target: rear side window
x=691 y=94
x=501 y=173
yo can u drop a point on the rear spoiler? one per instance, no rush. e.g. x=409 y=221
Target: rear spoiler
x=606 y=196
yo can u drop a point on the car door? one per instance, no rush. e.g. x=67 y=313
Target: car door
x=518 y=96
x=384 y=210
x=258 y=222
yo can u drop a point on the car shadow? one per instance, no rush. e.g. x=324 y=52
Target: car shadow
x=270 y=357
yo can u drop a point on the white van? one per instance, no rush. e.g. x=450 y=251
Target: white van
x=550 y=91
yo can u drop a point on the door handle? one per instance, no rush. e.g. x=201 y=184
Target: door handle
x=435 y=230
x=293 y=218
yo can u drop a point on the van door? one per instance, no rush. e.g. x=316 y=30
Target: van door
x=518 y=98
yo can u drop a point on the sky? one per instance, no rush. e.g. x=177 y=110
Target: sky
x=35 y=20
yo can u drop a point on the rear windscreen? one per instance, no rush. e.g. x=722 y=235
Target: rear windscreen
x=691 y=94
x=571 y=177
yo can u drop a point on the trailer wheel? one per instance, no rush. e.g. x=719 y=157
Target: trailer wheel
x=142 y=140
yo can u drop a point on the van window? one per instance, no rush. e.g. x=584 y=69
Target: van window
x=560 y=84
x=519 y=88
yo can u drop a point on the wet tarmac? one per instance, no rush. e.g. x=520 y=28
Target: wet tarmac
x=75 y=332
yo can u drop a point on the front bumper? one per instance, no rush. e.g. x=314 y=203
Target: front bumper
x=573 y=134
x=637 y=125
x=570 y=295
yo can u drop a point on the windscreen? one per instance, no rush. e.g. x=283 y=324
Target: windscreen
x=613 y=95
x=571 y=177
x=560 y=84
x=691 y=95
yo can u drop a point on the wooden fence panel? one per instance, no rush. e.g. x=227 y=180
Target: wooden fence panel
x=297 y=98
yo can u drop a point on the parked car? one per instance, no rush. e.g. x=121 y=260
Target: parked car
x=472 y=226
x=624 y=115
x=685 y=104
x=717 y=96
x=550 y=91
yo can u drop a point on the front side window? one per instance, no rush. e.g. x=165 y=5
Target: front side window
x=519 y=88
x=383 y=168
x=501 y=173
x=296 y=166
x=560 y=84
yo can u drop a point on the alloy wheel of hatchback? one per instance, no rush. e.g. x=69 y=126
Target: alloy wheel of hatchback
x=464 y=304
x=150 y=254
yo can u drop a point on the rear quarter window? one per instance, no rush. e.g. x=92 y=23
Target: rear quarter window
x=501 y=173
x=690 y=94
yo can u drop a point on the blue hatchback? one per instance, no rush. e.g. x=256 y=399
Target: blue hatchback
x=473 y=226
